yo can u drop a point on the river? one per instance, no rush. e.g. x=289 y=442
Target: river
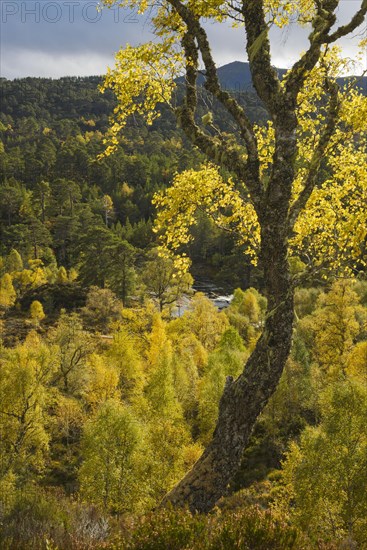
x=219 y=296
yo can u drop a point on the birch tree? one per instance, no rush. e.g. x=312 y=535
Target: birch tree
x=298 y=184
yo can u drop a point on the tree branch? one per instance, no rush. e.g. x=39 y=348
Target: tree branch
x=233 y=107
x=215 y=148
x=264 y=76
x=323 y=21
x=318 y=154
x=355 y=22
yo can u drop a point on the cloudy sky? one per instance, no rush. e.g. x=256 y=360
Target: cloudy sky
x=55 y=38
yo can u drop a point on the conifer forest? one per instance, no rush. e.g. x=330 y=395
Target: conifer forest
x=183 y=290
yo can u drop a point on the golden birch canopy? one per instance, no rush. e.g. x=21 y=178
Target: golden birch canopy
x=328 y=206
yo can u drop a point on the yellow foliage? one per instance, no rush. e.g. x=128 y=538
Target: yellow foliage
x=205 y=322
x=68 y=417
x=124 y=355
x=357 y=362
x=36 y=311
x=143 y=77
x=33 y=277
x=7 y=292
x=102 y=381
x=330 y=231
x=25 y=374
x=204 y=190
x=333 y=329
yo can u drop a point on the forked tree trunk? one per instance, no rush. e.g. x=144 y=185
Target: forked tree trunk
x=245 y=398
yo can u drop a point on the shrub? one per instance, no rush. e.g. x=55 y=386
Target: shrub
x=41 y=520
x=167 y=530
x=245 y=529
x=253 y=529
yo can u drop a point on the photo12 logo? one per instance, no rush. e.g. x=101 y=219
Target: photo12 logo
x=30 y=11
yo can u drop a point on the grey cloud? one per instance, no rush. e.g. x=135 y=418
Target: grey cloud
x=73 y=27
x=286 y=44
x=64 y=40
x=44 y=64
x=49 y=38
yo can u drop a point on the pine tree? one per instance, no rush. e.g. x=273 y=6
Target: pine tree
x=14 y=261
x=62 y=276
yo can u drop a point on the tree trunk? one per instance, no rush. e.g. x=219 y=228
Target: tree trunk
x=245 y=398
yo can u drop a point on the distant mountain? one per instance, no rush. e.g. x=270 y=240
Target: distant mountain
x=236 y=76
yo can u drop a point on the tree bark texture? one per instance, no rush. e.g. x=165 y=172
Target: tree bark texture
x=245 y=398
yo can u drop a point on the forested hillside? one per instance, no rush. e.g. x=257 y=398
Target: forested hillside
x=112 y=368
x=54 y=192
